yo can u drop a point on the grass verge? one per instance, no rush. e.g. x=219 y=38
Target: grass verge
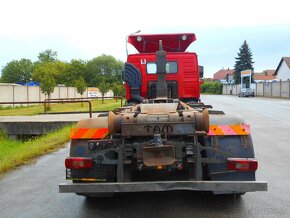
x=15 y=153
x=97 y=105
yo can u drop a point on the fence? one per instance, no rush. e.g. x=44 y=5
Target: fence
x=14 y=93
x=279 y=89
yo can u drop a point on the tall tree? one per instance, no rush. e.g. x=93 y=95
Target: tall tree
x=104 y=67
x=103 y=87
x=74 y=70
x=47 y=56
x=81 y=86
x=118 y=89
x=47 y=84
x=53 y=69
x=17 y=71
x=244 y=61
x=47 y=73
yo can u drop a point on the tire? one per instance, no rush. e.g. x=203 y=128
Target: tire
x=97 y=195
x=240 y=194
x=234 y=195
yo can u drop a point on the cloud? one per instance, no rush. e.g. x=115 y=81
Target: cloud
x=89 y=27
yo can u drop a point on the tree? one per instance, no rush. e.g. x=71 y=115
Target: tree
x=53 y=69
x=81 y=86
x=103 y=87
x=17 y=71
x=243 y=62
x=74 y=70
x=118 y=89
x=211 y=87
x=104 y=67
x=47 y=84
x=47 y=56
x=46 y=73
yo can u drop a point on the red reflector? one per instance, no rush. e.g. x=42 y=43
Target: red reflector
x=78 y=163
x=242 y=164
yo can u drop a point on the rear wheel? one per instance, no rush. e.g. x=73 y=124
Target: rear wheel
x=234 y=195
x=97 y=195
x=220 y=147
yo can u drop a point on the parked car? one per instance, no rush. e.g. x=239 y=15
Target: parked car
x=246 y=92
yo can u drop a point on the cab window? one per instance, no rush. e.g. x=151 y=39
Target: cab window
x=171 y=67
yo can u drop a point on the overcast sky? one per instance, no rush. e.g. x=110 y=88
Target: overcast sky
x=84 y=29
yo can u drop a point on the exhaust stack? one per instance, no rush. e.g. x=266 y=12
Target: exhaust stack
x=161 y=86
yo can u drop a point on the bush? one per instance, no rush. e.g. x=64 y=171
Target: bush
x=2 y=135
x=211 y=88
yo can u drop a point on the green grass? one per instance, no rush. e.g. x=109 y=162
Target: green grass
x=97 y=105
x=15 y=153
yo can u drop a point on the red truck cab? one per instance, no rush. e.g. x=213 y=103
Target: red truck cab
x=182 y=70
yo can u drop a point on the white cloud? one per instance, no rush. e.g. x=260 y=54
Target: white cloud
x=76 y=18
x=94 y=27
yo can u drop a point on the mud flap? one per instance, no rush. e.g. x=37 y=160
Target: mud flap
x=224 y=147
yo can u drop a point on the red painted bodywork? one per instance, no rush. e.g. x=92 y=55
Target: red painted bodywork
x=187 y=76
x=171 y=42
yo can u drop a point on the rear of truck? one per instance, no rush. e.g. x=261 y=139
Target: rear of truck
x=165 y=138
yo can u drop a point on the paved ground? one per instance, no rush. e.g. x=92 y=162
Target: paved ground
x=32 y=191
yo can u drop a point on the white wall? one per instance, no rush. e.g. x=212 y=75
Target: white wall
x=12 y=93
x=6 y=93
x=279 y=89
x=283 y=72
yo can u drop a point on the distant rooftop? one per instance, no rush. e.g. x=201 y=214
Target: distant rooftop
x=287 y=61
x=265 y=75
x=222 y=74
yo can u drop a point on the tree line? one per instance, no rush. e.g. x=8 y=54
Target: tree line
x=104 y=72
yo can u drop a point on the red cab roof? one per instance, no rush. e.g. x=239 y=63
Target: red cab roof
x=148 y=43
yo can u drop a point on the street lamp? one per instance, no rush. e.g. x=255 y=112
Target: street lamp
x=138 y=31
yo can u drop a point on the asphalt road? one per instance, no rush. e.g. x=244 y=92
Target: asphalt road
x=32 y=191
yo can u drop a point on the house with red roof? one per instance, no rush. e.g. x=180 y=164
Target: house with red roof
x=224 y=75
x=283 y=70
x=265 y=76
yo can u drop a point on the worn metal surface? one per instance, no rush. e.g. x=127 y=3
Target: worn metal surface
x=162 y=155
x=202 y=121
x=164 y=186
x=96 y=122
x=114 y=122
x=163 y=108
x=149 y=129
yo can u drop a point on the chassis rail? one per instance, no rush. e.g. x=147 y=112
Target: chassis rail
x=215 y=186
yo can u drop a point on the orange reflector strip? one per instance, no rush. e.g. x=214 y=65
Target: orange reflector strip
x=239 y=129
x=89 y=133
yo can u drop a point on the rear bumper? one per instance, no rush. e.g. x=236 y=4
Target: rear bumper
x=215 y=186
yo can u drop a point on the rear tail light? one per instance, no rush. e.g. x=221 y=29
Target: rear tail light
x=78 y=163
x=242 y=164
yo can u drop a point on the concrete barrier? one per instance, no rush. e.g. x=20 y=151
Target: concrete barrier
x=14 y=93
